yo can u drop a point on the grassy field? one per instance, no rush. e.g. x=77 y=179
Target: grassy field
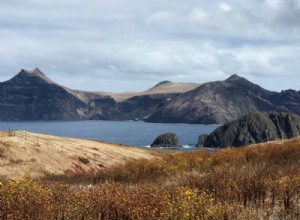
x=259 y=182
x=41 y=155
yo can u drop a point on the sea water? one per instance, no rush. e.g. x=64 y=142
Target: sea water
x=134 y=133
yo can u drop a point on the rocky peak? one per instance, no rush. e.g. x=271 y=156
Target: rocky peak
x=234 y=77
x=36 y=71
x=34 y=76
x=241 y=82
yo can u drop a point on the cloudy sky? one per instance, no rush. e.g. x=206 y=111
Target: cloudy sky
x=130 y=45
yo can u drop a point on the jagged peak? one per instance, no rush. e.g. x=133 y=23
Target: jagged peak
x=34 y=73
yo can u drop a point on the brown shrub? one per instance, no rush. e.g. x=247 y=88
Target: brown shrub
x=261 y=182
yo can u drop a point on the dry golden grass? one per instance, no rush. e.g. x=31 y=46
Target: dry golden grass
x=45 y=154
x=260 y=182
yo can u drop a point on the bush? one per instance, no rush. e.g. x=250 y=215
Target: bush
x=260 y=182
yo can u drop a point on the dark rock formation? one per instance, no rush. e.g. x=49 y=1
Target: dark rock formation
x=101 y=108
x=166 y=140
x=201 y=140
x=254 y=128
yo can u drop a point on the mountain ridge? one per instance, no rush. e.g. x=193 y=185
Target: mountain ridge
x=31 y=95
x=161 y=87
x=215 y=102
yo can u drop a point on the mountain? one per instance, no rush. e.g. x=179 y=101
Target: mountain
x=253 y=128
x=217 y=102
x=140 y=105
x=31 y=95
x=163 y=87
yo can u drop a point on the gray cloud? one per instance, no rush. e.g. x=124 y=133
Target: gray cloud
x=132 y=44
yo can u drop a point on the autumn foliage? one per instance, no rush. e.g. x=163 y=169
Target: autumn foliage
x=261 y=182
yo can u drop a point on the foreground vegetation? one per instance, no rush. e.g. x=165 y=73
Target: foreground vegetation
x=261 y=182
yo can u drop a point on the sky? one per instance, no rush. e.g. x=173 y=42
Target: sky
x=130 y=45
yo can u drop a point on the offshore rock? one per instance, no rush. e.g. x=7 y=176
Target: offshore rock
x=167 y=140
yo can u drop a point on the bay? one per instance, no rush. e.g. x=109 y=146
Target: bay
x=134 y=133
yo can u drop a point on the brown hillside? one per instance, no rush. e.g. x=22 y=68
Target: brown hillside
x=40 y=154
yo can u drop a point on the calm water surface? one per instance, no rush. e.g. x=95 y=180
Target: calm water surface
x=135 y=133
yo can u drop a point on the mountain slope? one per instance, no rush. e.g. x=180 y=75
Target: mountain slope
x=215 y=102
x=30 y=95
x=140 y=107
x=287 y=100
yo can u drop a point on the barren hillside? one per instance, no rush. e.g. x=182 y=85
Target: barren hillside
x=40 y=154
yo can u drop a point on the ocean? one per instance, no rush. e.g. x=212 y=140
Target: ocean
x=134 y=133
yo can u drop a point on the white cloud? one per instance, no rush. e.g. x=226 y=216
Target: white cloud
x=275 y=4
x=100 y=42
x=198 y=15
x=225 y=7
